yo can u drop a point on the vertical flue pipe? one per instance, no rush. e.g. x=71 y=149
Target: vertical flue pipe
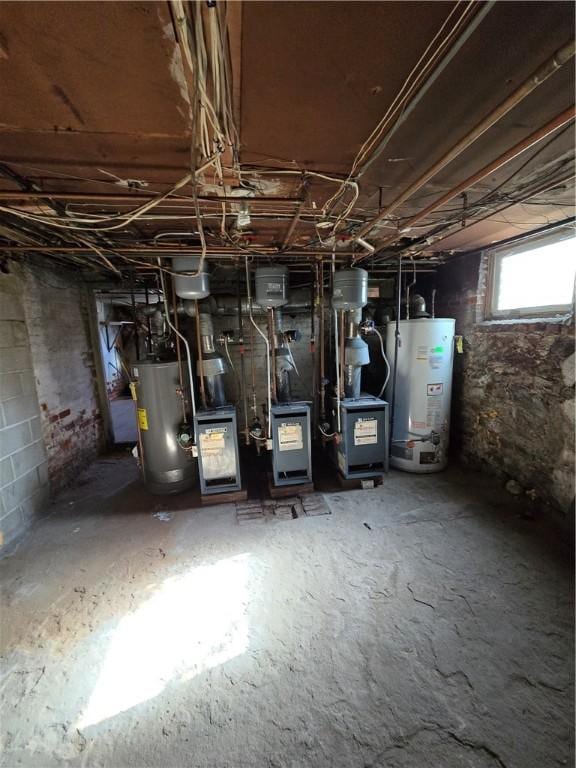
x=181 y=337
x=263 y=335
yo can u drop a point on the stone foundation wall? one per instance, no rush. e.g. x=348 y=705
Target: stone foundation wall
x=513 y=407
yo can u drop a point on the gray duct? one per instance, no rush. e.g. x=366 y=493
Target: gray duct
x=213 y=364
x=283 y=361
x=228 y=305
x=356 y=354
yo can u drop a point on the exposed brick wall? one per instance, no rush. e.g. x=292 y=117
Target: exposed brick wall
x=56 y=307
x=513 y=407
x=23 y=464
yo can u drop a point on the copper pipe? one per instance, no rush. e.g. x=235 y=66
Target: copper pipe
x=416 y=249
x=322 y=349
x=253 y=371
x=272 y=339
x=143 y=251
x=138 y=197
x=292 y=227
x=543 y=72
x=511 y=154
x=200 y=358
x=341 y=361
x=178 y=353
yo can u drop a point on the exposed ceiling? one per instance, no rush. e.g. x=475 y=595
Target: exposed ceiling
x=98 y=119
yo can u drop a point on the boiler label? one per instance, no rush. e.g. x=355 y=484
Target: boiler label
x=143 y=418
x=435 y=389
x=365 y=432
x=211 y=443
x=290 y=437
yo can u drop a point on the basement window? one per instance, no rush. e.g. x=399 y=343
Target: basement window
x=535 y=277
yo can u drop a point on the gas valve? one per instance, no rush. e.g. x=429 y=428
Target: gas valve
x=185 y=436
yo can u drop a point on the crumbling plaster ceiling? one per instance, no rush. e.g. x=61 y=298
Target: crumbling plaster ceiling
x=94 y=95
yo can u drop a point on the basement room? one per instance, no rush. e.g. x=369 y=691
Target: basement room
x=287 y=384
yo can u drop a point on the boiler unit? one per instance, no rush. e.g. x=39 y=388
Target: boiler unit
x=423 y=390
x=291 y=450
x=361 y=421
x=215 y=426
x=166 y=466
x=288 y=420
x=218 y=460
x=363 y=449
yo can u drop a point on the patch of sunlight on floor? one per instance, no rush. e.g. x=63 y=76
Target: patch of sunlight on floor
x=192 y=623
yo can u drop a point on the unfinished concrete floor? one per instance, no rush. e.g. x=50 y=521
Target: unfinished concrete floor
x=421 y=624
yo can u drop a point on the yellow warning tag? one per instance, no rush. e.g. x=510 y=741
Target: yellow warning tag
x=133 y=390
x=142 y=418
x=459 y=344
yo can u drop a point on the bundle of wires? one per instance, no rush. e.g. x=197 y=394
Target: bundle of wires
x=423 y=67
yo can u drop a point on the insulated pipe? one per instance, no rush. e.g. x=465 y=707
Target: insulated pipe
x=511 y=154
x=396 y=346
x=182 y=338
x=386 y=363
x=337 y=361
x=543 y=72
x=267 y=348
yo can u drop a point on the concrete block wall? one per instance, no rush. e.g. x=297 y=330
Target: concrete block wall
x=57 y=310
x=513 y=406
x=24 y=485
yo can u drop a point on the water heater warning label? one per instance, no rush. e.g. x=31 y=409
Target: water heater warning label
x=365 y=432
x=142 y=418
x=290 y=437
x=435 y=389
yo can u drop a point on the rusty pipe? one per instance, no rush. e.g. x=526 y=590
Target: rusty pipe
x=511 y=154
x=138 y=197
x=419 y=248
x=200 y=355
x=555 y=62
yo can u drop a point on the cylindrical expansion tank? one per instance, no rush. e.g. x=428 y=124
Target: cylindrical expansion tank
x=190 y=286
x=167 y=468
x=350 y=289
x=423 y=393
x=271 y=286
